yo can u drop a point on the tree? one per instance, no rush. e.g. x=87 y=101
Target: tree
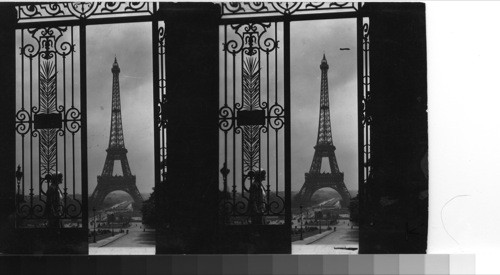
x=354 y=210
x=111 y=218
x=149 y=210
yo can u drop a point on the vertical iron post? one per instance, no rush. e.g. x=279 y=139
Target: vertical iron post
x=287 y=97
x=83 y=103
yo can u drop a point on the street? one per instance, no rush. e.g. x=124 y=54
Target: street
x=136 y=242
x=342 y=241
x=135 y=238
x=344 y=235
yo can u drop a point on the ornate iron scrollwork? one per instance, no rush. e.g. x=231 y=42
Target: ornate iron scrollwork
x=248 y=121
x=162 y=114
x=81 y=10
x=244 y=9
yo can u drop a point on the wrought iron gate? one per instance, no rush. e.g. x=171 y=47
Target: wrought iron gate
x=252 y=120
x=51 y=126
x=49 y=123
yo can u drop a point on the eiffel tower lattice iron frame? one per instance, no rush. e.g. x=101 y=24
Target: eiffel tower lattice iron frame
x=315 y=180
x=254 y=113
x=106 y=182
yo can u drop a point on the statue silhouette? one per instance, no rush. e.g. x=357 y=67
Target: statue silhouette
x=256 y=202
x=53 y=207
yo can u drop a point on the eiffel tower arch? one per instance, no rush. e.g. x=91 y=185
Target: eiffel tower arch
x=315 y=179
x=106 y=182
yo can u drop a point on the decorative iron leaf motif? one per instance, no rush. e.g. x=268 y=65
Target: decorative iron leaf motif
x=48 y=98
x=48 y=84
x=251 y=147
x=48 y=151
x=251 y=83
x=251 y=100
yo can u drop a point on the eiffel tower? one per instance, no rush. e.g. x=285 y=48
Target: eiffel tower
x=315 y=180
x=106 y=182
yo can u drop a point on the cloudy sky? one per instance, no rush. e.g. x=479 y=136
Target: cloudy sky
x=309 y=40
x=131 y=43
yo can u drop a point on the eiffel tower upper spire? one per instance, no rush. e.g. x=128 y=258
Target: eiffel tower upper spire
x=116 y=139
x=116 y=68
x=324 y=127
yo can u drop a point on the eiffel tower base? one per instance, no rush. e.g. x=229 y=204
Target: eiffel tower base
x=314 y=182
x=108 y=184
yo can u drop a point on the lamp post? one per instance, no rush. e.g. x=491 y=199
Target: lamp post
x=93 y=209
x=301 y=237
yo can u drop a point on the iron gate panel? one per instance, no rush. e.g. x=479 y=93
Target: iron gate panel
x=48 y=126
x=161 y=100
x=251 y=124
x=364 y=99
x=51 y=103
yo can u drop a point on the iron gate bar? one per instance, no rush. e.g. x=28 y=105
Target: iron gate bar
x=156 y=97
x=367 y=115
x=22 y=108
x=287 y=95
x=64 y=104
x=359 y=42
x=83 y=107
x=163 y=102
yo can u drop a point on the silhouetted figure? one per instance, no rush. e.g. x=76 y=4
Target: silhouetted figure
x=53 y=207
x=257 y=192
